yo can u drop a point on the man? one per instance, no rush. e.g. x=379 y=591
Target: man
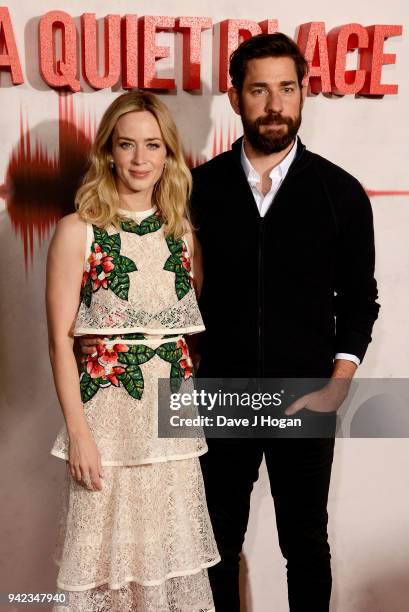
x=282 y=230
x=288 y=248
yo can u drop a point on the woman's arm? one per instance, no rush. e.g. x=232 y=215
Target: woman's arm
x=64 y=275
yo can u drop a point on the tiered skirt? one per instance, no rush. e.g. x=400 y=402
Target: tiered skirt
x=144 y=542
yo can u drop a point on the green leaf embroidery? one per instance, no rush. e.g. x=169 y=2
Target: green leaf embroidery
x=182 y=285
x=176 y=377
x=173 y=264
x=117 y=279
x=119 y=284
x=112 y=245
x=125 y=265
x=150 y=224
x=86 y=293
x=175 y=246
x=147 y=226
x=169 y=352
x=99 y=234
x=88 y=387
x=130 y=226
x=136 y=355
x=132 y=380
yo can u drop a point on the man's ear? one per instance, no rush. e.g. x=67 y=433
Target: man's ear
x=234 y=99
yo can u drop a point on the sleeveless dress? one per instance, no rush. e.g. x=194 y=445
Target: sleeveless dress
x=144 y=541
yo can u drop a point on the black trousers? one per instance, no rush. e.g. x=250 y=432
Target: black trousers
x=299 y=472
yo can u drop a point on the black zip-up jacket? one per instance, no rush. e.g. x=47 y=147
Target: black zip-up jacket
x=283 y=293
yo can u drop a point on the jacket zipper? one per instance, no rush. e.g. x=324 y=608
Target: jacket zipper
x=260 y=367
x=260 y=298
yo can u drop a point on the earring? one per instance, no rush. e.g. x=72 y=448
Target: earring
x=111 y=163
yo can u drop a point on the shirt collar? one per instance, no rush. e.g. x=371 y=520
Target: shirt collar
x=278 y=171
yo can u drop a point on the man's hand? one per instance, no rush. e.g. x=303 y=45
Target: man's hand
x=332 y=395
x=327 y=399
x=88 y=344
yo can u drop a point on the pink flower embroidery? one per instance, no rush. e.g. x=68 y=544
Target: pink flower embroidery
x=185 y=362
x=105 y=363
x=99 y=264
x=186 y=263
x=113 y=373
x=182 y=345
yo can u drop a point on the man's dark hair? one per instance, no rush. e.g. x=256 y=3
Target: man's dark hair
x=265 y=45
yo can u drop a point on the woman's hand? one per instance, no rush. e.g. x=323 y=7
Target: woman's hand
x=85 y=460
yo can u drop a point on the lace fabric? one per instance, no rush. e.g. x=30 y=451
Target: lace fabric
x=142 y=543
x=133 y=598
x=152 y=293
x=125 y=429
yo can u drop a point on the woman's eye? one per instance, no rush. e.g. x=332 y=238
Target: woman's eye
x=153 y=145
x=125 y=145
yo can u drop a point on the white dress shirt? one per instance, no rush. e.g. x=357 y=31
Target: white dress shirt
x=277 y=175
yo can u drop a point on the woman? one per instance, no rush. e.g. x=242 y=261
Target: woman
x=134 y=533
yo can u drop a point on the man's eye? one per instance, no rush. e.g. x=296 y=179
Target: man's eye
x=288 y=89
x=258 y=91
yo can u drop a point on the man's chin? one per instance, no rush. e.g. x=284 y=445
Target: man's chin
x=271 y=145
x=274 y=132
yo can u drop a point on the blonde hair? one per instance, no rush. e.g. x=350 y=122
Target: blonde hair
x=97 y=200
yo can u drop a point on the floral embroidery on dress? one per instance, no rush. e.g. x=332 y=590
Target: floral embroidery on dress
x=106 y=267
x=179 y=262
x=176 y=353
x=119 y=364
x=112 y=366
x=147 y=226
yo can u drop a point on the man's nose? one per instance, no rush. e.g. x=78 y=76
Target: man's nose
x=274 y=102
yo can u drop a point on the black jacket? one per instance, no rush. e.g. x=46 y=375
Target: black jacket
x=282 y=294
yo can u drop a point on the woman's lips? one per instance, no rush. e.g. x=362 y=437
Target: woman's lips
x=138 y=174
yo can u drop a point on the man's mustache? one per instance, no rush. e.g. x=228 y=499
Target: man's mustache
x=273 y=120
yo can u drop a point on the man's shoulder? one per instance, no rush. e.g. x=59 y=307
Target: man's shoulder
x=331 y=173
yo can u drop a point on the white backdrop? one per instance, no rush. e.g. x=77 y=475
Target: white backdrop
x=369 y=498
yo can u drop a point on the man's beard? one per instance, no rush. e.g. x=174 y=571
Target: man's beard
x=272 y=141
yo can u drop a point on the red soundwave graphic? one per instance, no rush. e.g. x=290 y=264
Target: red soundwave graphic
x=39 y=188
x=222 y=142
x=372 y=194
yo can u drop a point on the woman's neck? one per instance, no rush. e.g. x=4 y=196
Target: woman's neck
x=136 y=201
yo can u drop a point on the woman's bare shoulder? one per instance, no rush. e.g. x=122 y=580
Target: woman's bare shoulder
x=71 y=223
x=70 y=232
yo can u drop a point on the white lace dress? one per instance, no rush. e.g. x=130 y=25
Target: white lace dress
x=144 y=541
